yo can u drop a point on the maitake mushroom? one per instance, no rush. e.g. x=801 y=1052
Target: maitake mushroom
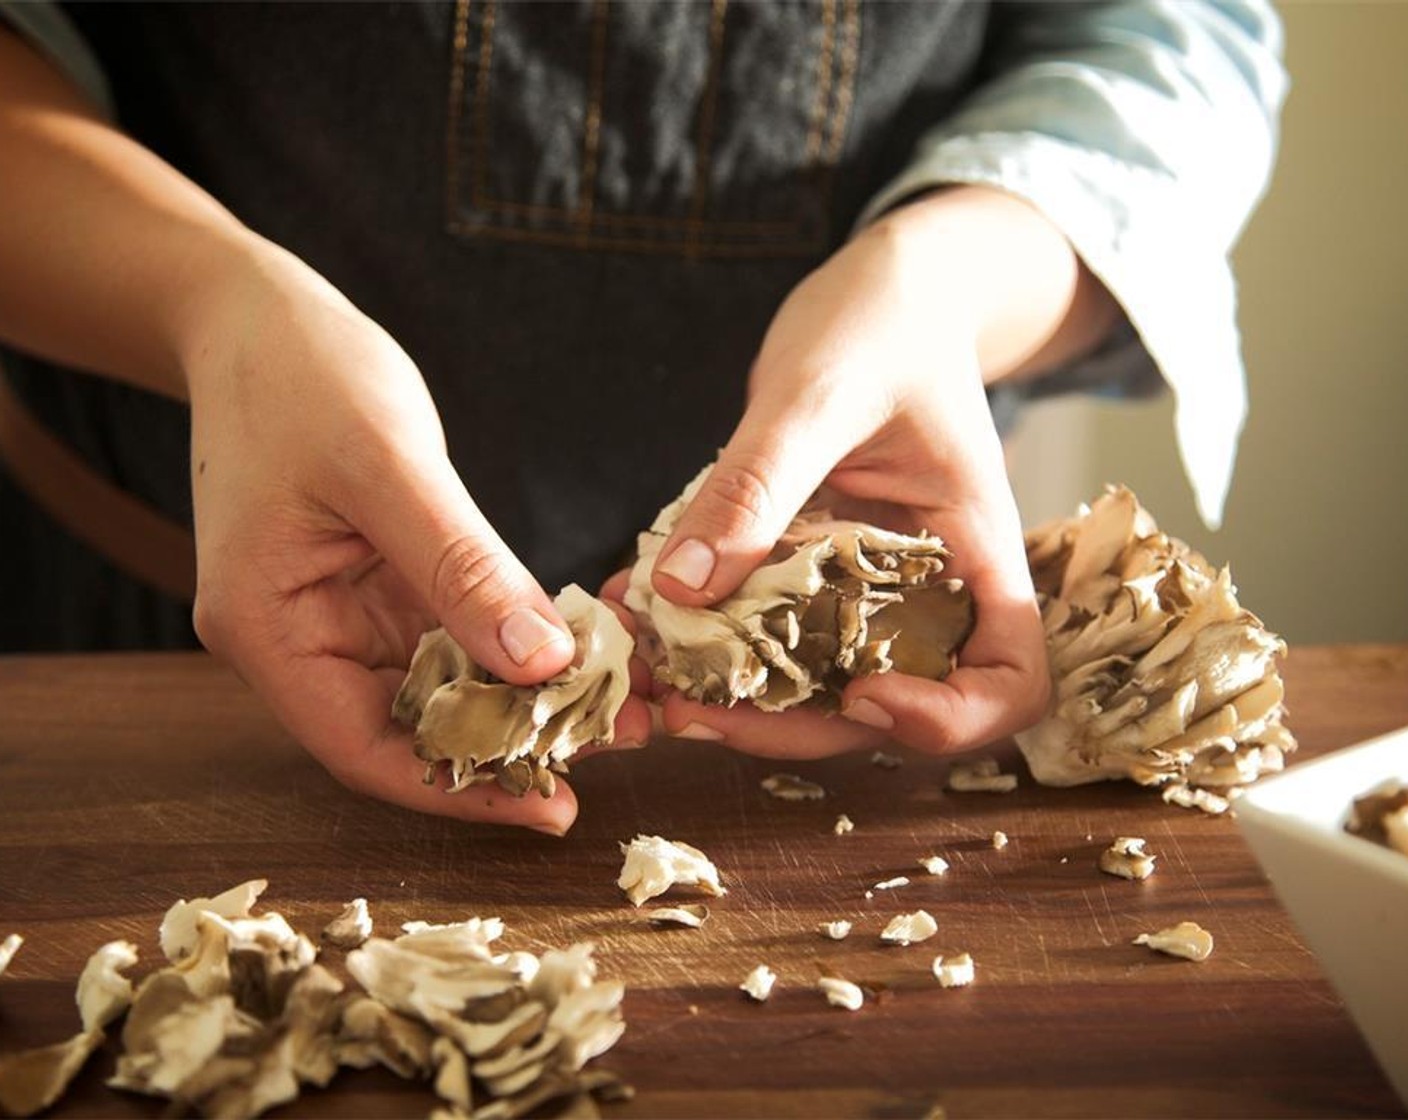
x=243 y=1018
x=835 y=600
x=487 y=730
x=1158 y=674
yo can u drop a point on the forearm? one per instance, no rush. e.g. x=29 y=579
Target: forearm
x=107 y=253
x=1009 y=273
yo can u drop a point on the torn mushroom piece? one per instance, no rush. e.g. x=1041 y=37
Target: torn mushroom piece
x=32 y=1080
x=1158 y=674
x=791 y=787
x=103 y=992
x=485 y=729
x=653 y=865
x=758 y=983
x=8 y=948
x=691 y=915
x=834 y=600
x=350 y=928
x=843 y=826
x=892 y=884
x=934 y=865
x=841 y=993
x=1380 y=815
x=907 y=929
x=1126 y=858
x=1187 y=939
x=980 y=775
x=524 y=1032
x=178 y=928
x=954 y=970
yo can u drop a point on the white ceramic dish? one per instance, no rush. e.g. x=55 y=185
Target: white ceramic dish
x=1348 y=895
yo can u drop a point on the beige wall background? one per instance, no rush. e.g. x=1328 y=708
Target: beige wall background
x=1316 y=530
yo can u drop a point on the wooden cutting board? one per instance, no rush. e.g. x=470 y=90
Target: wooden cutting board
x=127 y=782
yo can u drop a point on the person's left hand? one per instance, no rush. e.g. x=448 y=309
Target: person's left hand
x=869 y=381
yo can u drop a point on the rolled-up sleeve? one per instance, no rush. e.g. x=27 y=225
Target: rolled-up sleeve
x=45 y=25
x=1146 y=131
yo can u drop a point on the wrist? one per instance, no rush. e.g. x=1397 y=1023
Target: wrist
x=1005 y=271
x=244 y=288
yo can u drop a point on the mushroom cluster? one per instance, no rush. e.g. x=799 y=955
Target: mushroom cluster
x=1158 y=674
x=834 y=600
x=244 y=1017
x=518 y=735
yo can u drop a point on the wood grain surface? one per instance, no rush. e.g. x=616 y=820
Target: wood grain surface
x=127 y=782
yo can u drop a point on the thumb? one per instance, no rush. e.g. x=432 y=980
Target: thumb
x=425 y=523
x=775 y=461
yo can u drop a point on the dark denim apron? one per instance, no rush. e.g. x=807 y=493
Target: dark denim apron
x=577 y=218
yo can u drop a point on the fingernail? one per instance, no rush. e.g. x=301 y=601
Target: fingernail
x=548 y=829
x=869 y=713
x=627 y=744
x=699 y=731
x=692 y=563
x=525 y=632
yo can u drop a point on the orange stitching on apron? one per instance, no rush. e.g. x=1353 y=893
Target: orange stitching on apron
x=680 y=224
x=690 y=227
x=708 y=105
x=454 y=112
x=823 y=81
x=597 y=79
x=481 y=105
x=845 y=93
x=702 y=248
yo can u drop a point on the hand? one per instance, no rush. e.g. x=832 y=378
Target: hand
x=332 y=530
x=871 y=381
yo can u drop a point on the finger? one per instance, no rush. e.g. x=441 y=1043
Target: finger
x=797 y=733
x=625 y=617
x=781 y=452
x=424 y=521
x=614 y=589
x=632 y=724
x=368 y=753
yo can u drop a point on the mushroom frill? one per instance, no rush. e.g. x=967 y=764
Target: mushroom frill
x=518 y=735
x=835 y=600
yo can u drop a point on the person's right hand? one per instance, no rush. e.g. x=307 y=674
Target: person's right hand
x=332 y=530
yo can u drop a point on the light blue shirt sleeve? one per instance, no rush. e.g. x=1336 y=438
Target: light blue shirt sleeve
x=1146 y=131
x=44 y=24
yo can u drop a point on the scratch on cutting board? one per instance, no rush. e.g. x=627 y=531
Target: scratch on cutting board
x=1045 y=956
x=1183 y=860
x=1094 y=917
